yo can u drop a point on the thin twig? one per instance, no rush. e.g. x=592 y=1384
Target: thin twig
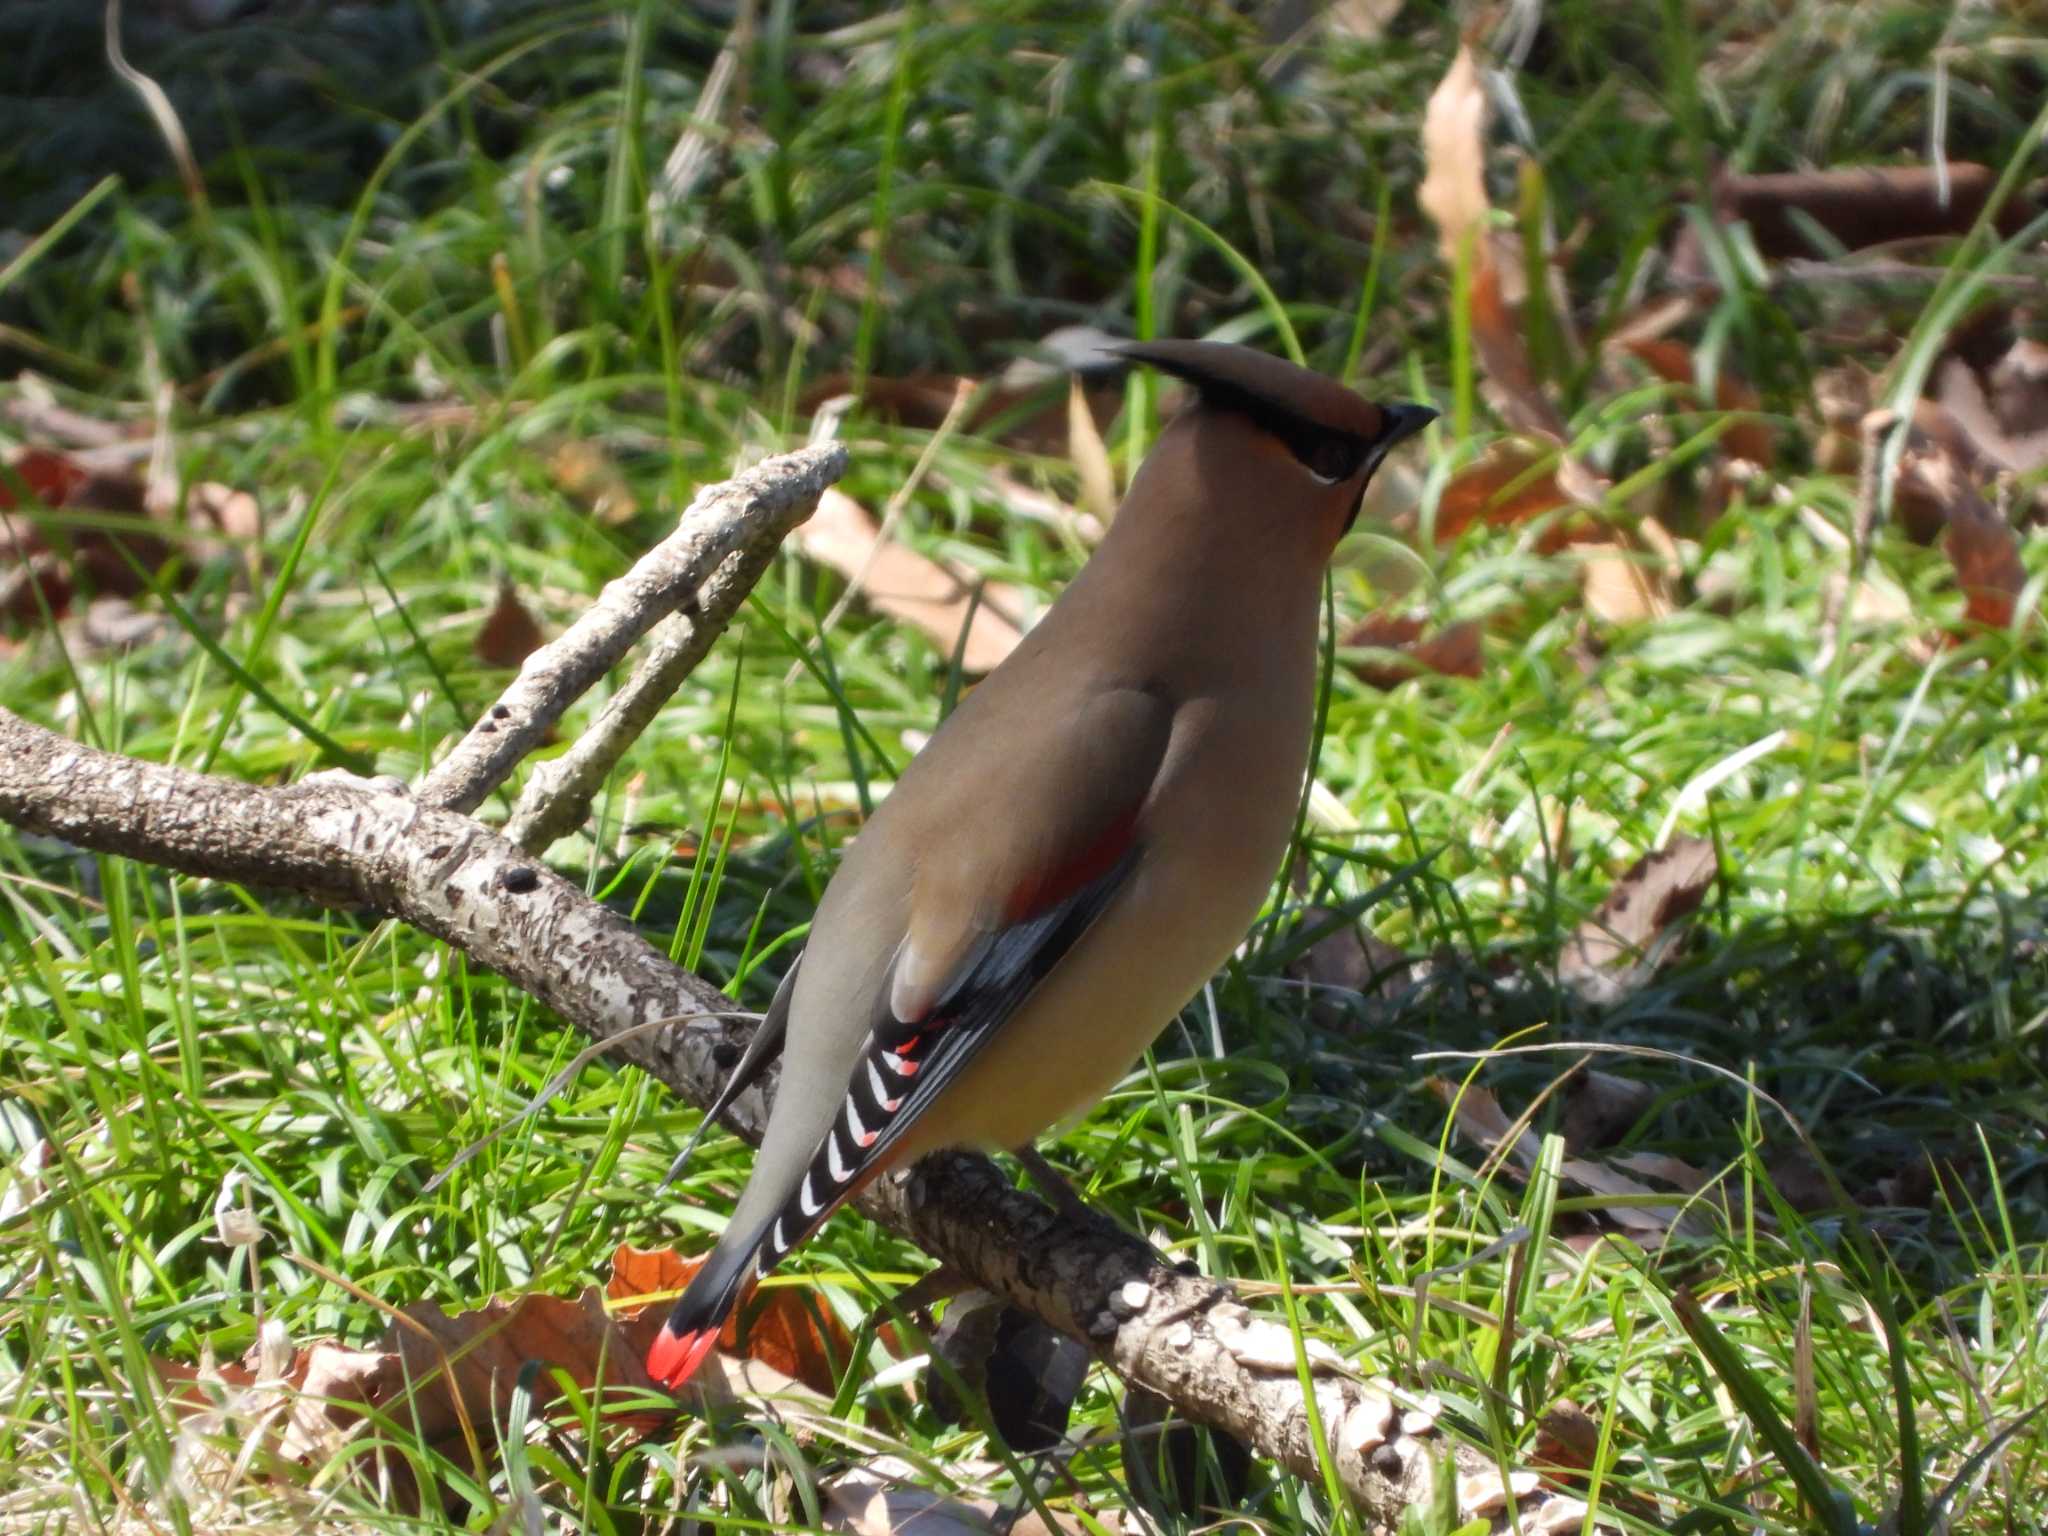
x=760 y=506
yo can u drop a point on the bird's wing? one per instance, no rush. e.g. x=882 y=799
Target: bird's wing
x=762 y=1051
x=1008 y=879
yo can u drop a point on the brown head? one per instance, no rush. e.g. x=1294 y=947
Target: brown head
x=1334 y=437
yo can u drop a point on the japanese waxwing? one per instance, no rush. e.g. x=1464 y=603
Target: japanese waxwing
x=1083 y=841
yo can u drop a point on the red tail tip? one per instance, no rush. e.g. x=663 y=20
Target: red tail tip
x=675 y=1356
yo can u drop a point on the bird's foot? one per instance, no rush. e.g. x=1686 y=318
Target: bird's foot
x=1054 y=1186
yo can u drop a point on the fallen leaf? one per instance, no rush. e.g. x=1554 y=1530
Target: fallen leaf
x=871 y=1502
x=44 y=563
x=1647 y=1213
x=1453 y=190
x=449 y=1378
x=1516 y=480
x=1600 y=1108
x=1567 y=1436
x=2019 y=388
x=589 y=476
x=1672 y=361
x=509 y=633
x=1934 y=481
x=786 y=1327
x=1962 y=395
x=910 y=587
x=1620 y=585
x=1403 y=653
x=1347 y=958
x=1616 y=949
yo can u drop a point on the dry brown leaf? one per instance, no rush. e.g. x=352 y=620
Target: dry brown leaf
x=910 y=587
x=41 y=567
x=1480 y=1118
x=1672 y=361
x=509 y=633
x=785 y=1327
x=1511 y=484
x=589 y=476
x=1504 y=357
x=1986 y=554
x=1350 y=957
x=882 y=1499
x=1091 y=457
x=2019 y=388
x=451 y=1377
x=1451 y=652
x=1620 y=585
x=1600 y=1108
x=1567 y=1436
x=1453 y=190
x=1616 y=949
x=1963 y=397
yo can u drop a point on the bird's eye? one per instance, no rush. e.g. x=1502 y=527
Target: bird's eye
x=1331 y=456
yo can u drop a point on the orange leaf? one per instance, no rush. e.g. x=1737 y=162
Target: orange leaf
x=510 y=633
x=1503 y=488
x=786 y=1327
x=1673 y=361
x=1451 y=652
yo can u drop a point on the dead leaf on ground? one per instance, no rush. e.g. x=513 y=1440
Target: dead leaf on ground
x=591 y=477
x=911 y=587
x=1615 y=950
x=1647 y=1213
x=1349 y=957
x=450 y=1377
x=1981 y=545
x=787 y=1327
x=1599 y=1108
x=1453 y=194
x=1517 y=480
x=1400 y=651
x=44 y=562
x=1623 y=585
x=1672 y=361
x=1964 y=397
x=509 y=633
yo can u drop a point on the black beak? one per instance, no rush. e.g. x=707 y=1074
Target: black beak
x=1403 y=422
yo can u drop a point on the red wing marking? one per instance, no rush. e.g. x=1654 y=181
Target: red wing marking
x=1046 y=890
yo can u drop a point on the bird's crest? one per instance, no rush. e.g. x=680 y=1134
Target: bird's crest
x=1332 y=430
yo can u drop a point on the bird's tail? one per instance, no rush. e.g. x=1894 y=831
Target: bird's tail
x=700 y=1312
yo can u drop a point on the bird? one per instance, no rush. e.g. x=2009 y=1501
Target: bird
x=1082 y=842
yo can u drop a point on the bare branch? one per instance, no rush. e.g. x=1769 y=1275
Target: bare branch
x=752 y=509
x=558 y=792
x=350 y=843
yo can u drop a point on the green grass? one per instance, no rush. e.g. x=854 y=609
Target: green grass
x=934 y=189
